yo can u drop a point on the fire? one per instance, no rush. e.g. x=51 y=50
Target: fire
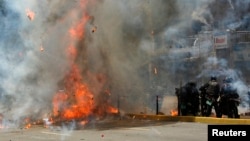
x=72 y=52
x=28 y=126
x=29 y=122
x=30 y=14
x=58 y=100
x=94 y=29
x=76 y=101
x=84 y=122
x=41 y=48
x=174 y=113
x=112 y=110
x=78 y=30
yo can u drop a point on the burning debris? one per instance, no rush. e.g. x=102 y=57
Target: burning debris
x=76 y=101
x=41 y=49
x=174 y=112
x=94 y=29
x=30 y=14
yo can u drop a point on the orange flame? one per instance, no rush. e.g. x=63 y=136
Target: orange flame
x=84 y=122
x=76 y=101
x=112 y=110
x=72 y=52
x=174 y=113
x=78 y=30
x=28 y=126
x=41 y=48
x=30 y=14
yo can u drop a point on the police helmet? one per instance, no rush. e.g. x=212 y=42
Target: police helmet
x=213 y=78
x=192 y=83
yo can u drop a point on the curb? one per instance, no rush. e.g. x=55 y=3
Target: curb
x=209 y=120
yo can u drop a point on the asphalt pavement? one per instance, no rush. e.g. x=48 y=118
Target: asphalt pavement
x=115 y=130
x=130 y=128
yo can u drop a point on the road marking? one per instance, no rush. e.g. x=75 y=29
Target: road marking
x=55 y=134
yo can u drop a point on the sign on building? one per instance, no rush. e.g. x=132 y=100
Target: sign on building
x=220 y=41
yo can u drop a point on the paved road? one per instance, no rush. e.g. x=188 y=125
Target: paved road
x=112 y=130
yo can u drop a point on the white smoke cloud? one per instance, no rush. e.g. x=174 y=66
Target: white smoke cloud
x=33 y=58
x=30 y=73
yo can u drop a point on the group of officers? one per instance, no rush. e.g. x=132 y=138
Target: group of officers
x=223 y=98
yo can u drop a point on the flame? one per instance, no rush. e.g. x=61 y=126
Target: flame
x=84 y=122
x=112 y=110
x=30 y=14
x=58 y=100
x=28 y=126
x=77 y=31
x=41 y=48
x=27 y=122
x=76 y=101
x=174 y=113
x=72 y=52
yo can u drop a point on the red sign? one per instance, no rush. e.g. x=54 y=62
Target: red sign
x=220 y=41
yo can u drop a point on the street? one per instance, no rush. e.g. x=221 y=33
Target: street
x=112 y=130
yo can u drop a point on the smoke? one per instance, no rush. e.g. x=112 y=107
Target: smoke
x=127 y=47
x=33 y=57
x=137 y=39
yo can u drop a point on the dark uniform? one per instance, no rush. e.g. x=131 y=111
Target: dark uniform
x=188 y=99
x=210 y=93
x=229 y=99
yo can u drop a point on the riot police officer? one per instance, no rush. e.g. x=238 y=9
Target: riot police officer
x=229 y=99
x=188 y=99
x=210 y=91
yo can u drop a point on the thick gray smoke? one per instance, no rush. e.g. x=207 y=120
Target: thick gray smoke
x=128 y=47
x=33 y=56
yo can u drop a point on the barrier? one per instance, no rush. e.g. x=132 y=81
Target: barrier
x=209 y=120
